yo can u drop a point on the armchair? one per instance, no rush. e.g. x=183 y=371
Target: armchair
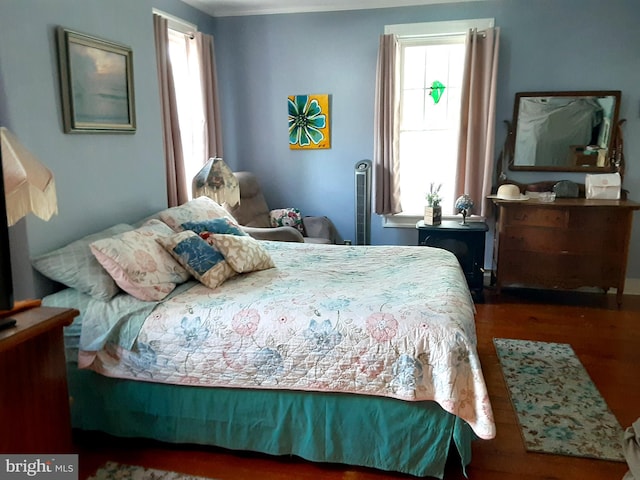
x=254 y=215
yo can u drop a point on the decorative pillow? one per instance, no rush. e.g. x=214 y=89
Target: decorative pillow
x=202 y=260
x=217 y=225
x=196 y=210
x=139 y=265
x=244 y=253
x=75 y=266
x=287 y=217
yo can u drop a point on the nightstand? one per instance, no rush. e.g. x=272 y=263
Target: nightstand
x=34 y=401
x=467 y=242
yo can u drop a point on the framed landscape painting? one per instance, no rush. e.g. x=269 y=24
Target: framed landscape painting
x=96 y=82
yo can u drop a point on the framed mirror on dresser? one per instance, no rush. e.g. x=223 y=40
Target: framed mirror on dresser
x=551 y=237
x=564 y=131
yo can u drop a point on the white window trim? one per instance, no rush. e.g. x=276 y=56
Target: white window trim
x=177 y=23
x=420 y=30
x=425 y=29
x=409 y=221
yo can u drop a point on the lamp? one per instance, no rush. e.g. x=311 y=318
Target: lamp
x=216 y=181
x=463 y=205
x=29 y=186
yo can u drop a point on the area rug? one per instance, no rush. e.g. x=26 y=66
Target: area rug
x=559 y=409
x=117 y=471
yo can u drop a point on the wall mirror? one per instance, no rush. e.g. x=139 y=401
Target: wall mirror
x=564 y=131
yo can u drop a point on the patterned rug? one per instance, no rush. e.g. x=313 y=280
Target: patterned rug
x=559 y=409
x=117 y=471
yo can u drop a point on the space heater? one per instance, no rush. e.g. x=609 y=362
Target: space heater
x=363 y=202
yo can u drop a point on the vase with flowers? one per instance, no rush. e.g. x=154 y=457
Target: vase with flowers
x=433 y=210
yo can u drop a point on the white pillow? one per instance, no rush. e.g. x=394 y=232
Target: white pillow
x=75 y=266
x=244 y=253
x=196 y=210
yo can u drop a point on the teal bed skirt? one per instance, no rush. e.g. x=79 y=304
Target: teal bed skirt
x=382 y=433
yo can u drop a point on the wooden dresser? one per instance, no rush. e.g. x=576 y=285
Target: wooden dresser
x=568 y=243
x=34 y=401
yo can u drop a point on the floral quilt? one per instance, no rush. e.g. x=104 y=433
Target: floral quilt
x=372 y=320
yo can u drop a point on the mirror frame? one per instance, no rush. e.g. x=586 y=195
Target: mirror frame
x=513 y=128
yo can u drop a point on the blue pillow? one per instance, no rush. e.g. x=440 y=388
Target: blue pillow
x=203 y=261
x=217 y=225
x=198 y=254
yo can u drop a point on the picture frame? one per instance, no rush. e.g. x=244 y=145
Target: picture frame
x=309 y=121
x=96 y=83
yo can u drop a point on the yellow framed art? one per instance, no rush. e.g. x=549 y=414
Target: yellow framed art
x=309 y=122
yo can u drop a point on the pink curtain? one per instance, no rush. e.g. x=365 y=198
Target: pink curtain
x=474 y=172
x=385 y=139
x=174 y=162
x=209 y=82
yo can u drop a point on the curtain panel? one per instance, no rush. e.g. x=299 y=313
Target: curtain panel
x=209 y=85
x=474 y=173
x=386 y=128
x=174 y=161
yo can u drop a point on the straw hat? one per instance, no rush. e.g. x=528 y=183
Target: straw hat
x=510 y=192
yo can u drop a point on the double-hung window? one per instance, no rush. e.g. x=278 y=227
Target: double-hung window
x=431 y=55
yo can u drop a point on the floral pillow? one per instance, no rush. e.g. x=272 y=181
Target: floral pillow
x=287 y=217
x=202 y=260
x=138 y=265
x=243 y=253
x=196 y=210
x=217 y=225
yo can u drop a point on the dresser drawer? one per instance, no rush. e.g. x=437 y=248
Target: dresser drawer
x=598 y=218
x=561 y=240
x=540 y=217
x=558 y=270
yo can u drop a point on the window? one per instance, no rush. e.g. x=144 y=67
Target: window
x=185 y=67
x=428 y=136
x=191 y=116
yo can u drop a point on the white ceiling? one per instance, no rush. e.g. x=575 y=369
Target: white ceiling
x=231 y=8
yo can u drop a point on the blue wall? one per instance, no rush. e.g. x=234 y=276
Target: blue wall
x=101 y=179
x=545 y=45
x=104 y=179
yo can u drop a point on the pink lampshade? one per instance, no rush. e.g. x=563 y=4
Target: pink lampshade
x=29 y=186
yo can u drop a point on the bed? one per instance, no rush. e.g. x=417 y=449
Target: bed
x=363 y=355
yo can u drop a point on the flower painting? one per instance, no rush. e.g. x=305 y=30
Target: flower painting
x=309 y=121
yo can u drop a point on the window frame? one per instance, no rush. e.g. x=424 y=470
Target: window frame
x=409 y=32
x=177 y=23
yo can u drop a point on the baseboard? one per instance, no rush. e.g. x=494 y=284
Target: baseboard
x=631 y=285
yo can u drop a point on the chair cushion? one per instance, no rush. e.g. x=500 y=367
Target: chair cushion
x=253 y=210
x=287 y=217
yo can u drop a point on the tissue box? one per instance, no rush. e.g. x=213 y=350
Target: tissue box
x=604 y=186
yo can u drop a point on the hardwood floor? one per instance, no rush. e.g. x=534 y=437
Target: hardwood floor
x=605 y=338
